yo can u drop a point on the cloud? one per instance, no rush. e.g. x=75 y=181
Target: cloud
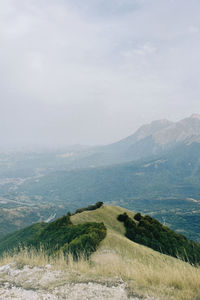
x=193 y=29
x=93 y=71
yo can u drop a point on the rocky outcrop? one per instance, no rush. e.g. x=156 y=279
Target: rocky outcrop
x=48 y=284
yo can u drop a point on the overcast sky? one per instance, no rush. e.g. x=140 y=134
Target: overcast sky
x=93 y=71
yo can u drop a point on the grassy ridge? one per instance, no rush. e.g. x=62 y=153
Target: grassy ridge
x=149 y=232
x=145 y=271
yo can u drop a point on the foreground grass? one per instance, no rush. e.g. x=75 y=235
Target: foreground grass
x=145 y=271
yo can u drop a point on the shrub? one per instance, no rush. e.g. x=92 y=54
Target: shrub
x=122 y=217
x=85 y=244
x=89 y=207
x=151 y=233
x=137 y=217
x=59 y=235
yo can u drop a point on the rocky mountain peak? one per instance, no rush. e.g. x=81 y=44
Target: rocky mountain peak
x=152 y=128
x=180 y=131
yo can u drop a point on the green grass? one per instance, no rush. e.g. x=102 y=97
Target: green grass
x=106 y=214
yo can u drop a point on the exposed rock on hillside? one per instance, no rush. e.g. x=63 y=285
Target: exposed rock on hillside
x=46 y=284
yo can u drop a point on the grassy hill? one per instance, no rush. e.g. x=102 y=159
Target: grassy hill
x=143 y=230
x=145 y=271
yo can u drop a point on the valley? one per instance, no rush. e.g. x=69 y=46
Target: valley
x=36 y=185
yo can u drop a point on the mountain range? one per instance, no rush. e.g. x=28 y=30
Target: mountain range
x=150 y=139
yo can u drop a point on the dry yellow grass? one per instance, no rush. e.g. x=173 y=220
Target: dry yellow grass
x=145 y=271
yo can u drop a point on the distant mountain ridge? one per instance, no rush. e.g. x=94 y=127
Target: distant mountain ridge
x=150 y=139
x=169 y=131
x=184 y=131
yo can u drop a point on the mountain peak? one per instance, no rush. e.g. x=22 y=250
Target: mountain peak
x=185 y=130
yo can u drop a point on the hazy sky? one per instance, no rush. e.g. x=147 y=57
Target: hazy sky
x=93 y=71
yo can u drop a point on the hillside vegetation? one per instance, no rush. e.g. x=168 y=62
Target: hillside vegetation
x=145 y=271
x=149 y=232
x=58 y=236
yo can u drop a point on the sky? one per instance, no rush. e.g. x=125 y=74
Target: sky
x=91 y=72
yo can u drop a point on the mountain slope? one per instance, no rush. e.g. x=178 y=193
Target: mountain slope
x=150 y=139
x=59 y=235
x=144 y=230
x=183 y=131
x=63 y=236
x=147 y=274
x=148 y=271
